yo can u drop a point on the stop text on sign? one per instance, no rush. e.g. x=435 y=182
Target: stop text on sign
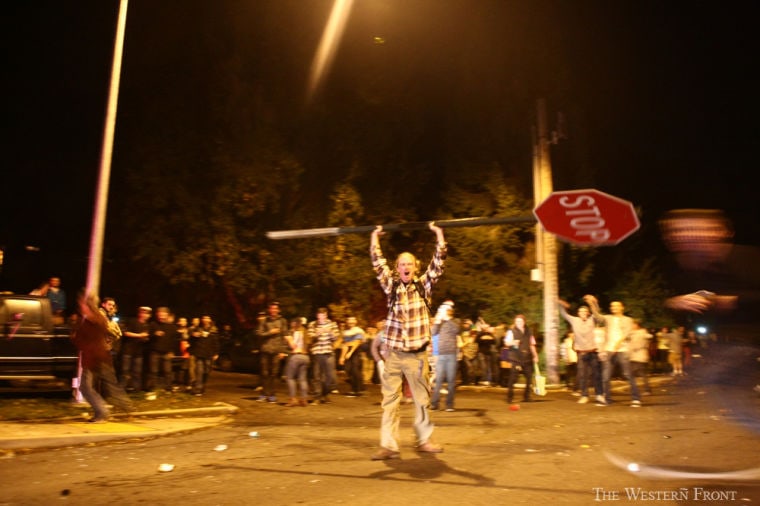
x=585 y=217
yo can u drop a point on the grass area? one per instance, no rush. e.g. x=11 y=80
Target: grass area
x=50 y=406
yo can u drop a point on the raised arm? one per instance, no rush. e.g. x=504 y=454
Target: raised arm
x=593 y=304
x=374 y=238
x=438 y=233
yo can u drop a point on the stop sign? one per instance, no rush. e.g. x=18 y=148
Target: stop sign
x=587 y=217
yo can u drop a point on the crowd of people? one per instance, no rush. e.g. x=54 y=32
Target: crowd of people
x=601 y=346
x=152 y=350
x=417 y=356
x=157 y=350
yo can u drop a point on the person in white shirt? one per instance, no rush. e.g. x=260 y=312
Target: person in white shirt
x=614 y=352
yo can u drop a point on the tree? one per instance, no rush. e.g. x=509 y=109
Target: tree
x=488 y=269
x=643 y=291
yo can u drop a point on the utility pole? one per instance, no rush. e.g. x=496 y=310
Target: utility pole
x=546 y=244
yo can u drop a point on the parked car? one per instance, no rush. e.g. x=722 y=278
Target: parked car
x=32 y=347
x=239 y=353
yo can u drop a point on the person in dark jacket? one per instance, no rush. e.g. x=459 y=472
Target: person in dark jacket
x=520 y=340
x=204 y=346
x=135 y=339
x=274 y=348
x=161 y=346
x=90 y=336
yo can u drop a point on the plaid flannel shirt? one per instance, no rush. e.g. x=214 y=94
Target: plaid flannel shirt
x=407 y=327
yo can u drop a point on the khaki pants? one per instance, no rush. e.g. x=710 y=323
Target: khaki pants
x=415 y=368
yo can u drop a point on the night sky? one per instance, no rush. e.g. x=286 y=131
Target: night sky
x=658 y=97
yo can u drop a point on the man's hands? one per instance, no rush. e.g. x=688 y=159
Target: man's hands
x=591 y=300
x=438 y=232
x=701 y=301
x=378 y=232
x=374 y=238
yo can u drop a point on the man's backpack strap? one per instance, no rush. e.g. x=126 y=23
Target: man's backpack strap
x=417 y=285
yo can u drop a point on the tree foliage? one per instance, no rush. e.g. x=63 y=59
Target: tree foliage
x=488 y=270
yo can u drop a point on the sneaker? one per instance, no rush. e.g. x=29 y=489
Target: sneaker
x=334 y=391
x=434 y=407
x=97 y=420
x=385 y=454
x=576 y=394
x=583 y=400
x=324 y=401
x=450 y=410
x=600 y=399
x=271 y=398
x=429 y=447
x=293 y=402
x=352 y=394
x=635 y=404
x=262 y=398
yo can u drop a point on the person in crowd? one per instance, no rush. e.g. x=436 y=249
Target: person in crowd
x=675 y=358
x=161 y=345
x=297 y=368
x=448 y=330
x=663 y=349
x=521 y=340
x=501 y=373
x=41 y=290
x=690 y=343
x=108 y=309
x=136 y=334
x=351 y=357
x=90 y=337
x=186 y=372
x=369 y=367
x=471 y=369
x=379 y=349
x=113 y=338
x=57 y=296
x=407 y=336
x=638 y=353
x=324 y=334
x=433 y=348
x=570 y=360
x=225 y=333
x=486 y=352
x=274 y=348
x=589 y=370
x=204 y=346
x=614 y=353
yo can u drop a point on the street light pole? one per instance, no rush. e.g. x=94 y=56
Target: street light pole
x=101 y=198
x=104 y=176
